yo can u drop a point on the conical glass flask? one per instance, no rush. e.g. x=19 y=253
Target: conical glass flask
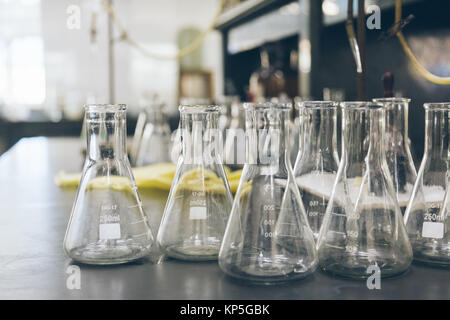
x=317 y=163
x=155 y=143
x=200 y=200
x=398 y=154
x=427 y=216
x=363 y=225
x=108 y=224
x=268 y=238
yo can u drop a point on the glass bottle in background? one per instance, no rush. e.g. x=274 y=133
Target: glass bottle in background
x=200 y=200
x=427 y=216
x=227 y=103
x=268 y=80
x=363 y=229
x=234 y=145
x=138 y=132
x=108 y=224
x=398 y=154
x=317 y=163
x=155 y=143
x=268 y=238
x=294 y=130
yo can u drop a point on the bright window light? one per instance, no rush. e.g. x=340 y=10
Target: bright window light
x=25 y=72
x=330 y=8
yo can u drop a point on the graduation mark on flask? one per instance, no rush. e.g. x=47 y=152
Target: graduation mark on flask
x=268 y=211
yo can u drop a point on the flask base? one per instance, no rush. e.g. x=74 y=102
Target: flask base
x=433 y=256
x=268 y=272
x=361 y=269
x=102 y=254
x=193 y=253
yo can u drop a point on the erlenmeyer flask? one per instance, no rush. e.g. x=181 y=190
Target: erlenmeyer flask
x=155 y=144
x=108 y=224
x=363 y=225
x=398 y=154
x=200 y=200
x=317 y=163
x=427 y=216
x=268 y=238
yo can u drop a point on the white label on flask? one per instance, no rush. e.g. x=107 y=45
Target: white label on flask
x=109 y=231
x=433 y=230
x=197 y=213
x=269 y=170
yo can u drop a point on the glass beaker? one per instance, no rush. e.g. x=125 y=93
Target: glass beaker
x=200 y=200
x=268 y=238
x=317 y=163
x=427 y=216
x=107 y=224
x=398 y=154
x=363 y=227
x=155 y=143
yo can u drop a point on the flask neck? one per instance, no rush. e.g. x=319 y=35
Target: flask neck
x=201 y=137
x=106 y=135
x=437 y=134
x=396 y=110
x=397 y=125
x=319 y=133
x=363 y=135
x=267 y=132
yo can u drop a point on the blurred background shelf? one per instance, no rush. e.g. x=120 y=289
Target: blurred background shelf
x=246 y=11
x=47 y=67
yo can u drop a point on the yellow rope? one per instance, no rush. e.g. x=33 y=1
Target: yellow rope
x=417 y=65
x=194 y=45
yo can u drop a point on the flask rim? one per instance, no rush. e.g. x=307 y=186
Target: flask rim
x=317 y=104
x=198 y=108
x=260 y=106
x=96 y=107
x=361 y=105
x=437 y=106
x=392 y=100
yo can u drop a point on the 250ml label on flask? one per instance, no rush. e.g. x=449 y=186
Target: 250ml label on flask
x=109 y=231
x=433 y=230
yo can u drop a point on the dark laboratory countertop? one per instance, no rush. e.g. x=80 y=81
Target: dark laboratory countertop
x=33 y=217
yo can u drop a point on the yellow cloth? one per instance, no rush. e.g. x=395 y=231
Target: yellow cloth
x=158 y=176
